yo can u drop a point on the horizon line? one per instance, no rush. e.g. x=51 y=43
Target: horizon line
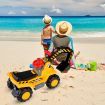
x=54 y=16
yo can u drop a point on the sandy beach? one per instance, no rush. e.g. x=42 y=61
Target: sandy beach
x=76 y=87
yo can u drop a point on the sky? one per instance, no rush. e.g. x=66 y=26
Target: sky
x=52 y=7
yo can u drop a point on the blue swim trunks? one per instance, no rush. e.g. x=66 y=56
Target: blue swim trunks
x=47 y=41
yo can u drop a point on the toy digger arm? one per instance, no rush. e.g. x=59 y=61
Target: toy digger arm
x=64 y=64
x=59 y=51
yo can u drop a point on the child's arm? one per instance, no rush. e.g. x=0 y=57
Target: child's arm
x=71 y=43
x=42 y=37
x=52 y=29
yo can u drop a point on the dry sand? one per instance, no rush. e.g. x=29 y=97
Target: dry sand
x=76 y=87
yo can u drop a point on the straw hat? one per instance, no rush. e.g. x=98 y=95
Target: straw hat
x=63 y=28
x=47 y=19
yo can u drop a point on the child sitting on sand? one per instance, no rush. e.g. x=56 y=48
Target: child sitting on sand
x=47 y=32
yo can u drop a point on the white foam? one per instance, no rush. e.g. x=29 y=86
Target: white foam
x=89 y=34
x=29 y=35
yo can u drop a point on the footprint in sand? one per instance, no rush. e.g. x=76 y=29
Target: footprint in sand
x=71 y=77
x=44 y=92
x=44 y=100
x=71 y=86
x=58 y=99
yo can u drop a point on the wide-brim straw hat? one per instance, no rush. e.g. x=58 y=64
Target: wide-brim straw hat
x=63 y=28
x=47 y=19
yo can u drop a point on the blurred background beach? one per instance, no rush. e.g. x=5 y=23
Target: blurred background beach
x=29 y=28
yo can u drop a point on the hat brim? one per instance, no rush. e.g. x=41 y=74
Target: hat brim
x=69 y=28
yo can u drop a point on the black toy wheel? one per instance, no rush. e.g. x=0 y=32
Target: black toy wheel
x=53 y=81
x=24 y=94
x=9 y=84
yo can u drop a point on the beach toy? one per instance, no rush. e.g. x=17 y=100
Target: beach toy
x=77 y=65
x=81 y=66
x=23 y=83
x=31 y=66
x=38 y=63
x=92 y=66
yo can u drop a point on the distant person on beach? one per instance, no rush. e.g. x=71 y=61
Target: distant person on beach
x=47 y=32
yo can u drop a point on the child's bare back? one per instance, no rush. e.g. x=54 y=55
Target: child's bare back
x=47 y=32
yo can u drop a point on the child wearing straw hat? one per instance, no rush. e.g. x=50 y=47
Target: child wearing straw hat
x=62 y=39
x=47 y=32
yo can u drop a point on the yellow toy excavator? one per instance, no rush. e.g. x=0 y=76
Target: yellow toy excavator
x=23 y=83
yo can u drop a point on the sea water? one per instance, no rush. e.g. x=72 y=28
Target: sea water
x=83 y=26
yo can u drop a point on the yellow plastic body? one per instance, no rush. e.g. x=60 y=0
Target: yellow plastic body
x=47 y=71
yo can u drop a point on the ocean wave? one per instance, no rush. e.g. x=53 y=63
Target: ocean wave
x=89 y=34
x=35 y=36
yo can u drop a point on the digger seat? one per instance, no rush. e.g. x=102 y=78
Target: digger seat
x=24 y=76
